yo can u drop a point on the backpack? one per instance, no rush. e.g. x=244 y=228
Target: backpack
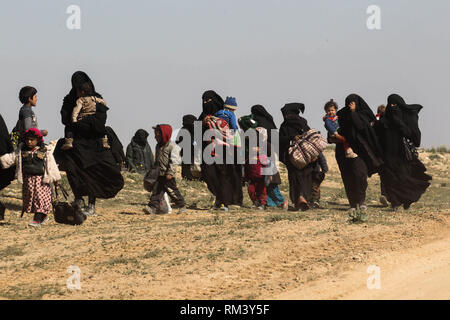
x=306 y=148
x=151 y=177
x=247 y=122
x=64 y=212
x=16 y=134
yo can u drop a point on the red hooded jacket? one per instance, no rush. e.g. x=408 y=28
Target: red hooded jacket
x=166 y=132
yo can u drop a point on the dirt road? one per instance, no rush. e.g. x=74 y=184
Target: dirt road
x=418 y=273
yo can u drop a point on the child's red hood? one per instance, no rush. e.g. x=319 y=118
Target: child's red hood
x=166 y=132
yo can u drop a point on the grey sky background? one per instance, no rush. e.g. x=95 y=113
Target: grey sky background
x=152 y=60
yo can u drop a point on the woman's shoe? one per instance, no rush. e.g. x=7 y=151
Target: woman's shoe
x=90 y=210
x=2 y=212
x=79 y=204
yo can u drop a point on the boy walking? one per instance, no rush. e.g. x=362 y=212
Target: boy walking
x=27 y=117
x=167 y=159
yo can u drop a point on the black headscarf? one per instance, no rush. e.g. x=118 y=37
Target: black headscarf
x=410 y=115
x=140 y=137
x=211 y=107
x=292 y=108
x=264 y=118
x=188 y=123
x=292 y=126
x=362 y=108
x=78 y=78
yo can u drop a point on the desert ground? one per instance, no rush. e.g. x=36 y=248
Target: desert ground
x=241 y=254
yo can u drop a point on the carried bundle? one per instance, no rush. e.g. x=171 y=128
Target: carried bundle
x=305 y=148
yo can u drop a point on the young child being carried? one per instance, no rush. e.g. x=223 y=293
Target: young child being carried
x=86 y=105
x=36 y=169
x=332 y=126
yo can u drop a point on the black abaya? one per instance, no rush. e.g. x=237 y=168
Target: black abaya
x=91 y=169
x=354 y=176
x=300 y=180
x=6 y=175
x=404 y=181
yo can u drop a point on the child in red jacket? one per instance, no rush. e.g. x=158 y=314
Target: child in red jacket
x=257 y=189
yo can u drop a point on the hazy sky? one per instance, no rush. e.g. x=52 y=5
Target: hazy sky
x=152 y=60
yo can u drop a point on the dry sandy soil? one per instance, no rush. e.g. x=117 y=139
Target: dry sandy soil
x=242 y=254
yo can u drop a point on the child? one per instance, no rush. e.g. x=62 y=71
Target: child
x=380 y=111
x=36 y=169
x=257 y=189
x=271 y=175
x=27 y=118
x=167 y=158
x=227 y=113
x=383 y=200
x=318 y=176
x=332 y=126
x=86 y=105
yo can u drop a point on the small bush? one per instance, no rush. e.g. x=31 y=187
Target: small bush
x=357 y=216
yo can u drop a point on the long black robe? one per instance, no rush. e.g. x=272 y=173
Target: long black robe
x=300 y=180
x=91 y=169
x=187 y=124
x=354 y=176
x=224 y=181
x=404 y=181
x=356 y=127
x=6 y=175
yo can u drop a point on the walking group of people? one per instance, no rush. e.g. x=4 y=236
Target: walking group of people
x=92 y=155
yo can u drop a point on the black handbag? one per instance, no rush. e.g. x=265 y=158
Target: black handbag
x=64 y=212
x=409 y=149
x=150 y=178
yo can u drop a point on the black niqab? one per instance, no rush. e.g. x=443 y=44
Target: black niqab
x=410 y=115
x=211 y=107
x=140 y=137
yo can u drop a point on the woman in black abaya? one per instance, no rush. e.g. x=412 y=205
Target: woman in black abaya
x=404 y=178
x=300 y=180
x=355 y=124
x=188 y=124
x=91 y=169
x=224 y=181
x=6 y=175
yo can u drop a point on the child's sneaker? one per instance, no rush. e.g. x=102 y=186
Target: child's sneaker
x=39 y=219
x=35 y=224
x=350 y=154
x=68 y=144
x=105 y=143
x=285 y=205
